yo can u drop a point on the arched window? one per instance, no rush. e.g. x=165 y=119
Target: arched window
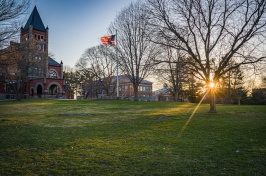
x=52 y=74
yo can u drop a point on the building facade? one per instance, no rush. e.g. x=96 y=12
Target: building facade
x=163 y=95
x=126 y=91
x=43 y=76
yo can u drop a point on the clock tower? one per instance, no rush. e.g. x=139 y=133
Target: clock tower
x=45 y=74
x=35 y=35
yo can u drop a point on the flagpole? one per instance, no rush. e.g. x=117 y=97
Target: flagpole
x=117 y=84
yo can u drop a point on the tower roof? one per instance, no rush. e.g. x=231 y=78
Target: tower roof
x=35 y=20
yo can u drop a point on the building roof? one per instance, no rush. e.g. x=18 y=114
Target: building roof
x=52 y=62
x=124 y=78
x=35 y=20
x=162 y=90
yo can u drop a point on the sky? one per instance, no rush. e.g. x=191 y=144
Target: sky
x=75 y=25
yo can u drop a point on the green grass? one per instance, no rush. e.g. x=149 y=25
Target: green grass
x=94 y=137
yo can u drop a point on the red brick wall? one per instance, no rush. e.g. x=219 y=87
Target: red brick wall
x=58 y=70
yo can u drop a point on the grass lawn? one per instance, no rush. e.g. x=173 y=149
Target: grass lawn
x=96 y=137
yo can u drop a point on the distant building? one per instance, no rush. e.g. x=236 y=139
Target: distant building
x=95 y=89
x=163 y=95
x=45 y=76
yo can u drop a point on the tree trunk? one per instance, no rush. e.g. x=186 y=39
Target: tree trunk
x=18 y=96
x=176 y=89
x=18 y=90
x=136 y=93
x=176 y=96
x=212 y=103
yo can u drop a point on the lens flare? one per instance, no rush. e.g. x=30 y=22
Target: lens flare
x=189 y=119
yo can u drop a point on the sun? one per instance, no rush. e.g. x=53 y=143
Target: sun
x=212 y=85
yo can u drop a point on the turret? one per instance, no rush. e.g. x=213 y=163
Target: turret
x=62 y=70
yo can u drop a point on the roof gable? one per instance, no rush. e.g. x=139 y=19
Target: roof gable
x=52 y=62
x=35 y=20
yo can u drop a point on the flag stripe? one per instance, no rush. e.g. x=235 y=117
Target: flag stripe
x=108 y=40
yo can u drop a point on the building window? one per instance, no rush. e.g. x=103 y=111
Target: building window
x=30 y=71
x=141 y=88
x=39 y=72
x=111 y=89
x=42 y=47
x=148 y=89
x=144 y=89
x=10 y=88
x=52 y=74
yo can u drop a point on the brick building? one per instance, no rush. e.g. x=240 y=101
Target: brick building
x=45 y=75
x=163 y=95
x=95 y=89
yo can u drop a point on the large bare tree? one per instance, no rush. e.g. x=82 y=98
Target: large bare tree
x=135 y=52
x=100 y=62
x=213 y=33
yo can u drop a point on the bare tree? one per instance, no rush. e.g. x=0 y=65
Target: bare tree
x=72 y=82
x=232 y=86
x=213 y=33
x=136 y=53
x=171 y=70
x=10 y=11
x=18 y=63
x=100 y=61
